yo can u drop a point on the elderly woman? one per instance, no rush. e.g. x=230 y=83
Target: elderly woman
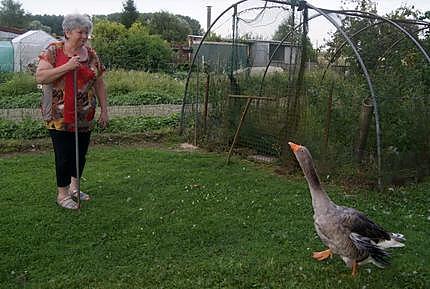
x=56 y=72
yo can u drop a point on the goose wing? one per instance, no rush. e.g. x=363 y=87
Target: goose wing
x=360 y=224
x=365 y=235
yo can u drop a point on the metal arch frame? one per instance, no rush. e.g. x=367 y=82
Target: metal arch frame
x=331 y=20
x=344 y=44
x=286 y=37
x=325 y=13
x=287 y=2
x=385 y=19
x=277 y=48
x=358 y=32
x=394 y=44
x=370 y=85
x=374 y=98
x=322 y=12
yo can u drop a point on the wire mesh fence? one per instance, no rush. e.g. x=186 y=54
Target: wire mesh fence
x=247 y=93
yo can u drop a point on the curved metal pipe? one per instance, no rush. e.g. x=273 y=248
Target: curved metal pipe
x=394 y=44
x=277 y=48
x=375 y=16
x=344 y=44
x=369 y=82
x=291 y=2
x=195 y=57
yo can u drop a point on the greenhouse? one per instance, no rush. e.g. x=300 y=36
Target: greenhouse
x=6 y=56
x=28 y=46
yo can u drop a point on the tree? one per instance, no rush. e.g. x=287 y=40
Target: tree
x=37 y=25
x=142 y=51
x=295 y=36
x=375 y=41
x=11 y=14
x=129 y=14
x=286 y=27
x=364 y=41
x=170 y=27
x=54 y=22
x=132 y=48
x=196 y=28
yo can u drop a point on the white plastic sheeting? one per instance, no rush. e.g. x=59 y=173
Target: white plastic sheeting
x=28 y=46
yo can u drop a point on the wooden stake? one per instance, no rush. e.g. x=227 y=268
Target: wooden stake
x=236 y=136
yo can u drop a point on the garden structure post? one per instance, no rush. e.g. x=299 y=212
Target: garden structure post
x=75 y=96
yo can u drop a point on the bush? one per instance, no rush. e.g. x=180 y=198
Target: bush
x=121 y=82
x=130 y=49
x=28 y=100
x=124 y=88
x=5 y=76
x=31 y=129
x=26 y=129
x=17 y=84
x=134 y=124
x=142 y=98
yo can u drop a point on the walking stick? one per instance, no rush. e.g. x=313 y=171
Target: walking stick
x=75 y=95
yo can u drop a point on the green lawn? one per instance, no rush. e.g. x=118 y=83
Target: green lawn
x=166 y=219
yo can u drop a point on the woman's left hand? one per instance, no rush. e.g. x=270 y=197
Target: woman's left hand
x=103 y=119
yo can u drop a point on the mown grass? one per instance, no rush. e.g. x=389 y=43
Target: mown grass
x=168 y=219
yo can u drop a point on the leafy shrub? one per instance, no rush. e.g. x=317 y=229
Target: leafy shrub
x=124 y=88
x=120 y=82
x=26 y=129
x=5 y=76
x=133 y=124
x=132 y=48
x=18 y=84
x=142 y=98
x=28 y=100
x=30 y=129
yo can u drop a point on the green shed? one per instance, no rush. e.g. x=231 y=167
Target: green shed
x=6 y=56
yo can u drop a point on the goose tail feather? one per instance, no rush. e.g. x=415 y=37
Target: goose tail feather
x=396 y=241
x=378 y=255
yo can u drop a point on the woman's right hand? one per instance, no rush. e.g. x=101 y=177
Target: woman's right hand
x=73 y=63
x=45 y=73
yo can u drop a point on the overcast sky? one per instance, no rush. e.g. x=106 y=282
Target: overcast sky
x=196 y=9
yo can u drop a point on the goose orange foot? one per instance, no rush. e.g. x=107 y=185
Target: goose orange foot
x=354 y=268
x=322 y=255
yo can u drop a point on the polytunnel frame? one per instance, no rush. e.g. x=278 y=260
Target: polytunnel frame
x=394 y=44
x=206 y=35
x=234 y=6
x=374 y=98
x=325 y=13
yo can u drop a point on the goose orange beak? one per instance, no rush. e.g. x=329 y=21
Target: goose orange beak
x=294 y=147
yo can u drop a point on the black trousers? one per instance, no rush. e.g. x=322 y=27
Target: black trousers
x=65 y=159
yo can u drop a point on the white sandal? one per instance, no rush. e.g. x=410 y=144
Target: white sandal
x=68 y=203
x=82 y=195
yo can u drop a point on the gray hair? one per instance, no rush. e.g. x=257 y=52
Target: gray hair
x=74 y=21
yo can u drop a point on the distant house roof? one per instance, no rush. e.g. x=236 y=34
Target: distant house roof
x=8 y=33
x=12 y=30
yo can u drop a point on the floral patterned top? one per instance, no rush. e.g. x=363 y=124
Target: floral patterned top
x=53 y=99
